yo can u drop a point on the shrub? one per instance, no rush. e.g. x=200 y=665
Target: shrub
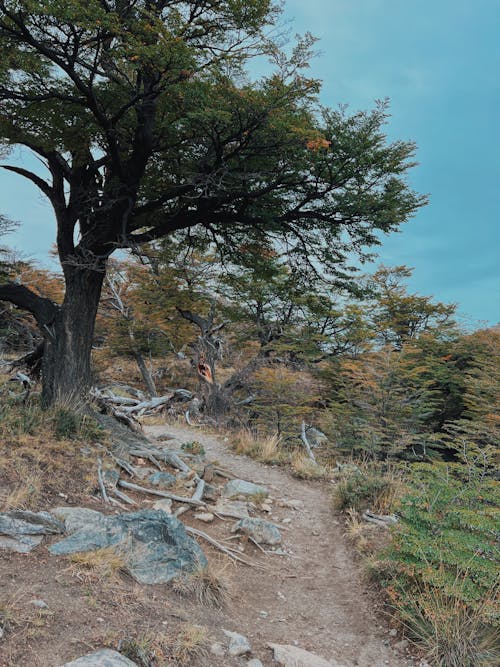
x=452 y=634
x=195 y=448
x=445 y=553
x=304 y=468
x=368 y=488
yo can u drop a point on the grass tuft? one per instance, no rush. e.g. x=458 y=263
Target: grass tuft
x=266 y=449
x=209 y=586
x=96 y=566
x=304 y=468
x=451 y=633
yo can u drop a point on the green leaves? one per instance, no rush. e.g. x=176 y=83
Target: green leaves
x=449 y=524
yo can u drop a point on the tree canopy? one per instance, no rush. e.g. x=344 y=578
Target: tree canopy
x=147 y=124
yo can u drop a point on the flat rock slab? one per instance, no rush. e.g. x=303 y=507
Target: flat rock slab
x=154 y=545
x=23 y=522
x=260 y=530
x=76 y=518
x=293 y=656
x=240 y=487
x=104 y=658
x=22 y=544
x=236 y=509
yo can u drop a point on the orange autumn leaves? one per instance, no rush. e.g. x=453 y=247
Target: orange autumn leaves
x=317 y=144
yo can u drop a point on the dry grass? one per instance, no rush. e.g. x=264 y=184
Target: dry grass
x=356 y=531
x=209 y=586
x=266 y=449
x=304 y=468
x=44 y=453
x=366 y=538
x=25 y=492
x=97 y=566
x=17 y=617
x=452 y=634
x=190 y=643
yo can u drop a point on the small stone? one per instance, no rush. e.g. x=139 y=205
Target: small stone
x=263 y=614
x=287 y=520
x=218 y=650
x=402 y=645
x=165 y=505
x=1 y=633
x=41 y=604
x=238 y=644
x=393 y=632
x=293 y=504
x=162 y=480
x=206 y=517
x=211 y=492
x=260 y=530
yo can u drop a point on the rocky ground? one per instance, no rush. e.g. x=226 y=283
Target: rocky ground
x=306 y=593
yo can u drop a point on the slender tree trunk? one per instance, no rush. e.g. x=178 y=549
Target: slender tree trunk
x=66 y=366
x=146 y=375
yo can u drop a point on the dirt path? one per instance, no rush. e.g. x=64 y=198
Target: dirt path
x=315 y=599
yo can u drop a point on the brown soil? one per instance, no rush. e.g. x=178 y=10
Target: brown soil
x=314 y=598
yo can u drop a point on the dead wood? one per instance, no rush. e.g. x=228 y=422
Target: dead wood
x=219 y=546
x=162 y=494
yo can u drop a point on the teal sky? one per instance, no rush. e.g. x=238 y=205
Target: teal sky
x=439 y=62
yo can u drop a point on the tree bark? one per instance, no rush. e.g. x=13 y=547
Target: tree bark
x=146 y=374
x=66 y=366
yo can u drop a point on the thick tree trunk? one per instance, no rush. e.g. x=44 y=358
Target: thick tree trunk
x=66 y=367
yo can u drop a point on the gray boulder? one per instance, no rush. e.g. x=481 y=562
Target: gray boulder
x=76 y=518
x=23 y=522
x=260 y=530
x=104 y=658
x=22 y=544
x=240 y=487
x=153 y=544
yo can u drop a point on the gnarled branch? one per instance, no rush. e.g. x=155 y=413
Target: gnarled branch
x=44 y=310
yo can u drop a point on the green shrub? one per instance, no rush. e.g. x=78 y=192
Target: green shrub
x=194 y=447
x=445 y=553
x=367 y=488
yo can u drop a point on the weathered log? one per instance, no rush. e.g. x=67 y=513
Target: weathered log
x=162 y=494
x=306 y=442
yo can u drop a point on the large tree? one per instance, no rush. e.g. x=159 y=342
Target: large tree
x=146 y=124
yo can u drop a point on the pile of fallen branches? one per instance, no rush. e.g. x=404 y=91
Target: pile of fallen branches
x=136 y=404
